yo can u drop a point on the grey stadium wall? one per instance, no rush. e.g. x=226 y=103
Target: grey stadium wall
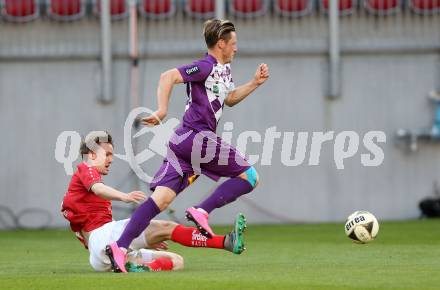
x=42 y=96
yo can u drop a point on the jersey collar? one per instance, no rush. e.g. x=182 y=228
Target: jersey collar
x=210 y=58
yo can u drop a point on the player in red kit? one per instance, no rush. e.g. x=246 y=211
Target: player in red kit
x=87 y=206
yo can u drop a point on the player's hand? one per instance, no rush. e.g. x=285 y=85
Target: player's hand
x=134 y=196
x=262 y=74
x=160 y=246
x=154 y=119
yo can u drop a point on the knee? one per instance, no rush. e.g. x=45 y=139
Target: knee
x=162 y=202
x=166 y=228
x=159 y=231
x=161 y=225
x=169 y=225
x=163 y=197
x=251 y=176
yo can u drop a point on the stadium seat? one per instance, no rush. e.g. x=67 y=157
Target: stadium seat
x=200 y=8
x=346 y=7
x=66 y=10
x=157 y=9
x=382 y=7
x=118 y=8
x=294 y=8
x=248 y=8
x=19 y=10
x=425 y=6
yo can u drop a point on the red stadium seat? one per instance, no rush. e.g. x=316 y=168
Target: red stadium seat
x=200 y=8
x=66 y=10
x=19 y=10
x=346 y=7
x=425 y=6
x=157 y=9
x=382 y=7
x=248 y=8
x=118 y=8
x=293 y=7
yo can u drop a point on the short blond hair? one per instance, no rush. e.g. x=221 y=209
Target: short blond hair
x=216 y=29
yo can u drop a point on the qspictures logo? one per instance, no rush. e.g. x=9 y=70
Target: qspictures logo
x=205 y=146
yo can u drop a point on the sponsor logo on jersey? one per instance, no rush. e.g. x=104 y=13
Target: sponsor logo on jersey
x=215 y=89
x=193 y=70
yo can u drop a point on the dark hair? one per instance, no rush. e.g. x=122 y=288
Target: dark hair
x=216 y=29
x=94 y=138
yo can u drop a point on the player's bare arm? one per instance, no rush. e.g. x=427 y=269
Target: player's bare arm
x=110 y=193
x=166 y=82
x=241 y=92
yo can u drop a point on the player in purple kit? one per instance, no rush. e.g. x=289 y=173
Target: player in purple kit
x=209 y=87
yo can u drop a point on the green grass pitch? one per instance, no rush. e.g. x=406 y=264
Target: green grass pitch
x=405 y=255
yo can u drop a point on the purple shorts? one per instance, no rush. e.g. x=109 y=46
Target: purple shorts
x=192 y=153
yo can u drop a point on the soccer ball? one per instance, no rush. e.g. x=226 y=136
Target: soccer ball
x=361 y=226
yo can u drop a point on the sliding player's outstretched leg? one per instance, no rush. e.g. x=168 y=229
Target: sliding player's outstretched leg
x=159 y=231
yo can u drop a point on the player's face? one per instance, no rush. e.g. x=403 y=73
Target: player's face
x=230 y=48
x=103 y=158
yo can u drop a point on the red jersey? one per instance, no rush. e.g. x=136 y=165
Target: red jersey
x=82 y=207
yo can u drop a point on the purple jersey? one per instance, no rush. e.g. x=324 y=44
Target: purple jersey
x=209 y=83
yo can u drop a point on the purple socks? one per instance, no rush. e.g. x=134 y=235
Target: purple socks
x=226 y=193
x=139 y=221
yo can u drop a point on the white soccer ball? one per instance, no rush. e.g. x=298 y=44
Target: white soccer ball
x=361 y=226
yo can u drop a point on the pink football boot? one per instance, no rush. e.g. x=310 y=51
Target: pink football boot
x=201 y=221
